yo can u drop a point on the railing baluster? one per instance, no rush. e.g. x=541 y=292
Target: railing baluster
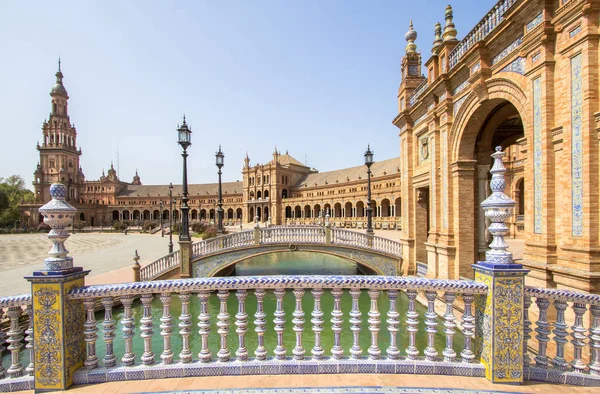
x=560 y=335
x=468 y=323
x=146 y=329
x=241 y=322
x=541 y=360
x=317 y=321
x=413 y=325
x=185 y=325
x=449 y=326
x=595 y=340
x=223 y=325
x=29 y=370
x=374 y=322
x=15 y=337
x=89 y=332
x=526 y=330
x=298 y=322
x=128 y=323
x=336 y=324
x=355 y=323
x=2 y=340
x=279 y=324
x=578 y=337
x=259 y=321
x=204 y=325
x=392 y=320
x=431 y=325
x=166 y=324
x=110 y=359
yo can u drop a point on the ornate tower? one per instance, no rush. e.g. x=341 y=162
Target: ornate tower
x=59 y=155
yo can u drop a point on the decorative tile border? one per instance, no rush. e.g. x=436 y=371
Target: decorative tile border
x=16 y=384
x=460 y=88
x=576 y=146
x=458 y=103
x=563 y=295
x=506 y=51
x=516 y=66
x=575 y=31
x=561 y=377
x=534 y=22
x=537 y=156
x=18 y=300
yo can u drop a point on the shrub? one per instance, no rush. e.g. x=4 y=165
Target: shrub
x=120 y=226
x=199 y=227
x=149 y=226
x=210 y=232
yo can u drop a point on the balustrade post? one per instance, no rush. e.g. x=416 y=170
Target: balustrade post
x=468 y=323
x=543 y=330
x=595 y=340
x=449 y=327
x=578 y=337
x=2 y=340
x=166 y=324
x=260 y=353
x=500 y=314
x=15 y=337
x=241 y=322
x=355 y=323
x=128 y=323
x=53 y=311
x=393 y=322
x=29 y=339
x=374 y=322
x=204 y=325
x=185 y=258
x=146 y=329
x=223 y=325
x=110 y=359
x=560 y=335
x=430 y=326
x=298 y=321
x=317 y=321
x=89 y=330
x=413 y=325
x=185 y=325
x=336 y=324
x=279 y=324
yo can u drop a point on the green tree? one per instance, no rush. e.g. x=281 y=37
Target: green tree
x=12 y=194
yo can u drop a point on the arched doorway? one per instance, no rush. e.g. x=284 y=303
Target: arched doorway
x=115 y=215
x=288 y=212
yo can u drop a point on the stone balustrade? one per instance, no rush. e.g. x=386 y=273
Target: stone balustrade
x=15 y=309
x=570 y=342
x=344 y=356
x=160 y=266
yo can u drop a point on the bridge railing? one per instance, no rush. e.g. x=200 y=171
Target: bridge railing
x=17 y=309
x=223 y=242
x=160 y=266
x=235 y=327
x=353 y=238
x=287 y=234
x=567 y=357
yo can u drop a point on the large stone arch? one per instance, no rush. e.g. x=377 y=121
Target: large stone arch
x=470 y=141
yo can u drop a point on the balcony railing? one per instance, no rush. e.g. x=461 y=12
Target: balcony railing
x=489 y=22
x=344 y=356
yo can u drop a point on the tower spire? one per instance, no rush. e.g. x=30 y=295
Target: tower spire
x=410 y=37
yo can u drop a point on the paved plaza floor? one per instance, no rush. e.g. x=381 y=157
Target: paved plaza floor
x=102 y=253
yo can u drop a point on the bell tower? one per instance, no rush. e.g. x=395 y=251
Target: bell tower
x=59 y=154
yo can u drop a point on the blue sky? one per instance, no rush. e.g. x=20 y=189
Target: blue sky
x=316 y=78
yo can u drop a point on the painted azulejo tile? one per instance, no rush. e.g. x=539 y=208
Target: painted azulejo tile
x=576 y=146
x=537 y=156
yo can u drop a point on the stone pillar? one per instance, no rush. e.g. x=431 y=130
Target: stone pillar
x=256 y=231
x=500 y=314
x=136 y=267
x=327 y=228
x=482 y=172
x=185 y=259
x=59 y=355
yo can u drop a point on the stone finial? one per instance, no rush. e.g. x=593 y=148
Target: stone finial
x=498 y=208
x=136 y=258
x=58 y=214
x=449 y=29
x=327 y=223
x=410 y=37
x=256 y=224
x=437 y=37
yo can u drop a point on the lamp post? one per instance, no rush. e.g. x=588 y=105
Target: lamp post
x=220 y=161
x=162 y=230
x=185 y=140
x=368 y=163
x=170 y=218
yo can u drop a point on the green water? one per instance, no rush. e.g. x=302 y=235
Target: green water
x=287 y=263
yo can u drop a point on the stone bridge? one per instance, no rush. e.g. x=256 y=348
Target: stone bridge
x=372 y=254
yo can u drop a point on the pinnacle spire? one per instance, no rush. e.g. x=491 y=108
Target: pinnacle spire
x=437 y=37
x=410 y=37
x=449 y=29
x=59 y=64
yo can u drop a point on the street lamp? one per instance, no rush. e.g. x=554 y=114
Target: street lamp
x=220 y=162
x=170 y=218
x=185 y=140
x=162 y=230
x=368 y=163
